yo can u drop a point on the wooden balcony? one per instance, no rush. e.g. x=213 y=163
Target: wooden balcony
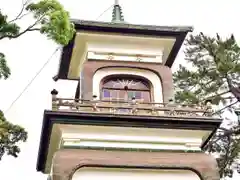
x=134 y=107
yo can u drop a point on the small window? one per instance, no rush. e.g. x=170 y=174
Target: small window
x=125 y=89
x=106 y=93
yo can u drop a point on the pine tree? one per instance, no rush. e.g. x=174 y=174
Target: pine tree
x=50 y=19
x=212 y=73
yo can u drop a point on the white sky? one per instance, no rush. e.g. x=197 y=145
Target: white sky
x=27 y=54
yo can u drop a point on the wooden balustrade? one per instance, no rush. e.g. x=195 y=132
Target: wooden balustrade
x=133 y=107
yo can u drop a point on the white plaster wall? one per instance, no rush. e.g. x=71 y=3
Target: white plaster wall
x=129 y=134
x=125 y=51
x=128 y=137
x=125 y=47
x=152 y=77
x=132 y=174
x=123 y=57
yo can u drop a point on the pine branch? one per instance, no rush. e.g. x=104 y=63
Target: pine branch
x=10 y=135
x=211 y=97
x=4 y=69
x=28 y=29
x=20 y=14
x=225 y=159
x=214 y=75
x=52 y=20
x=234 y=90
x=219 y=111
x=21 y=33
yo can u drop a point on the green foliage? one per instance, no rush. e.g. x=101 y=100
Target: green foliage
x=50 y=19
x=54 y=20
x=212 y=72
x=4 y=69
x=212 y=63
x=227 y=144
x=10 y=135
x=7 y=29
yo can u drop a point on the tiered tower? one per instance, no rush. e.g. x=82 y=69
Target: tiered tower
x=123 y=123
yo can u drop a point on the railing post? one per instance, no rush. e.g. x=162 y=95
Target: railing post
x=170 y=101
x=171 y=107
x=54 y=94
x=209 y=109
x=134 y=104
x=94 y=100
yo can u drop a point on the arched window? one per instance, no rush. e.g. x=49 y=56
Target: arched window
x=125 y=88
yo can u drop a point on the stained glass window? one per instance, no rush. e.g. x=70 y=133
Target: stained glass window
x=125 y=89
x=106 y=93
x=131 y=84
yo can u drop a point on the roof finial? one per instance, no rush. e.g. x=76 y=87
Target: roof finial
x=117 y=15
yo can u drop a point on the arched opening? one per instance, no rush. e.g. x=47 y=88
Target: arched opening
x=138 y=173
x=125 y=88
x=149 y=78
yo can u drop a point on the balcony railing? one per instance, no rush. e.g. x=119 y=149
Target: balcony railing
x=133 y=107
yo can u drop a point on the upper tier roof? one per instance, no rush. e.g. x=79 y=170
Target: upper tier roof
x=130 y=28
x=178 y=33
